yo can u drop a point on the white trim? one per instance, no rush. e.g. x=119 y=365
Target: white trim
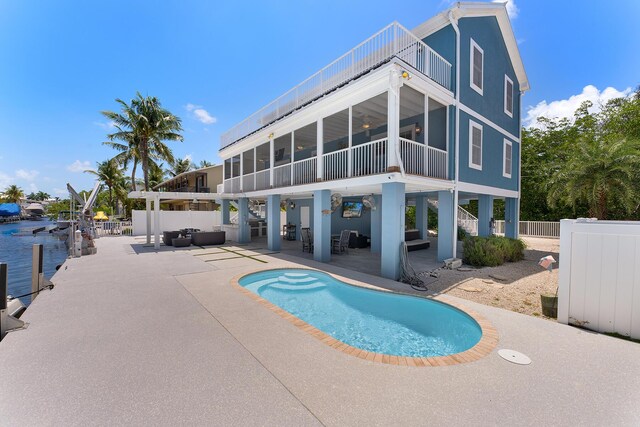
x=506 y=111
x=473 y=10
x=472 y=125
x=472 y=45
x=486 y=121
x=504 y=158
x=467 y=187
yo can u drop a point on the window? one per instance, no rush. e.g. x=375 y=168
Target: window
x=508 y=96
x=476 y=67
x=508 y=159
x=475 y=145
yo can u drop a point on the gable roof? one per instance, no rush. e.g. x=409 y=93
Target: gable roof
x=474 y=10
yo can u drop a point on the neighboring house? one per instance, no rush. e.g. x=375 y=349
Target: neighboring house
x=203 y=180
x=416 y=116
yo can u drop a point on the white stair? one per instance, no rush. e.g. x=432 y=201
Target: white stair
x=466 y=220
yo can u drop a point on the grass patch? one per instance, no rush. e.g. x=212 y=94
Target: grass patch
x=492 y=251
x=622 y=337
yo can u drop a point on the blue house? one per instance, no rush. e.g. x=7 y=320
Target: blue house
x=429 y=116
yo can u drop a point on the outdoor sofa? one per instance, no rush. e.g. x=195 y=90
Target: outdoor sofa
x=414 y=242
x=206 y=238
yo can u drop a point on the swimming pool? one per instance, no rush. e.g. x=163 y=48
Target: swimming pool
x=375 y=321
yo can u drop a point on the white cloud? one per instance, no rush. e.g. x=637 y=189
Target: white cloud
x=26 y=175
x=512 y=9
x=79 y=166
x=106 y=126
x=61 y=191
x=5 y=181
x=566 y=107
x=201 y=114
x=188 y=157
x=33 y=187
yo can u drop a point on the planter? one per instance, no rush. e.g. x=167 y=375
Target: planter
x=549 y=305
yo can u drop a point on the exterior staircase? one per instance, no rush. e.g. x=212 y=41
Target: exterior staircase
x=466 y=220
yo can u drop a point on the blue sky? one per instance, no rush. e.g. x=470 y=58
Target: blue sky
x=214 y=63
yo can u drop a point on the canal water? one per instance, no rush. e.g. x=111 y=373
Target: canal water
x=16 y=245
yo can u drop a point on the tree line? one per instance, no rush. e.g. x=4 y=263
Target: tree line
x=588 y=166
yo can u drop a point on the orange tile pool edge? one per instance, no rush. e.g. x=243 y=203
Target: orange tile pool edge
x=485 y=346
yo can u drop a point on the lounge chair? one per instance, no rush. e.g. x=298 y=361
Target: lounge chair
x=342 y=244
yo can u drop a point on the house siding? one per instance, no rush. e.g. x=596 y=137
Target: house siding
x=486 y=33
x=492 y=157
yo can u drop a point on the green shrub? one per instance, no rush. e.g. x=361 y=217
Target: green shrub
x=492 y=251
x=462 y=234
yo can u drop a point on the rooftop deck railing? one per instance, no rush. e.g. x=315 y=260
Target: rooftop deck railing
x=393 y=40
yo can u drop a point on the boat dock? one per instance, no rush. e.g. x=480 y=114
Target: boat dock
x=134 y=336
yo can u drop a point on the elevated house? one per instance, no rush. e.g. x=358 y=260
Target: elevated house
x=195 y=182
x=429 y=116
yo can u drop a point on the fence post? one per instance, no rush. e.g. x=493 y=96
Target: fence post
x=36 y=270
x=7 y=322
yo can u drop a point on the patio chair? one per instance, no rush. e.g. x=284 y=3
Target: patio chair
x=342 y=244
x=307 y=240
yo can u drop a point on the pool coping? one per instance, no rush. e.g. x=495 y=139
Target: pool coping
x=484 y=347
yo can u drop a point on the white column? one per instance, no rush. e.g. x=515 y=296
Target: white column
x=349 y=153
x=156 y=220
x=148 y=212
x=255 y=167
x=393 y=121
x=293 y=139
x=272 y=158
x=241 y=171
x=320 y=151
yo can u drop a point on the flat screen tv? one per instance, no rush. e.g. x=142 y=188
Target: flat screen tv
x=351 y=209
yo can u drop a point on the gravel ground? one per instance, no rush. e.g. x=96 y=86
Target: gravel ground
x=520 y=290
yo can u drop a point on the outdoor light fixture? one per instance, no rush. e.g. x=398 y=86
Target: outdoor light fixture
x=271 y=135
x=366 y=125
x=418 y=128
x=406 y=75
x=292 y=205
x=195 y=201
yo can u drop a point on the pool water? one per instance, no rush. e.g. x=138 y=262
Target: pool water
x=375 y=321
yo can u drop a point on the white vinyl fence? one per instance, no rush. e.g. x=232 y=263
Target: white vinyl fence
x=534 y=228
x=176 y=220
x=599 y=284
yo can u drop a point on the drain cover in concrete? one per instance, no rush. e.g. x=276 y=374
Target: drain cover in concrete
x=514 y=356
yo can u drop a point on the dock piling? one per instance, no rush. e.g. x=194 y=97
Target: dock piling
x=37 y=274
x=7 y=322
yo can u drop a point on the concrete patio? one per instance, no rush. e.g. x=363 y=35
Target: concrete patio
x=133 y=336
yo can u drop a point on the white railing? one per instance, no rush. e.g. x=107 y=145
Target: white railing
x=114 y=228
x=420 y=159
x=467 y=221
x=369 y=158
x=437 y=163
x=393 y=40
x=534 y=228
x=412 y=155
x=336 y=165
x=236 y=184
x=227 y=185
x=305 y=171
x=248 y=182
x=263 y=179
x=282 y=176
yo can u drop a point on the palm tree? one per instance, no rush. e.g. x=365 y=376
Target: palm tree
x=600 y=173
x=180 y=166
x=110 y=174
x=204 y=164
x=13 y=194
x=142 y=126
x=156 y=173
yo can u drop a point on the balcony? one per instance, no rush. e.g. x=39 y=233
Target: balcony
x=362 y=160
x=392 y=41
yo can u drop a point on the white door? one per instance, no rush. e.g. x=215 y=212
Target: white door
x=304 y=217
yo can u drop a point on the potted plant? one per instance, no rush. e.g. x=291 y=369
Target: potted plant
x=549 y=302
